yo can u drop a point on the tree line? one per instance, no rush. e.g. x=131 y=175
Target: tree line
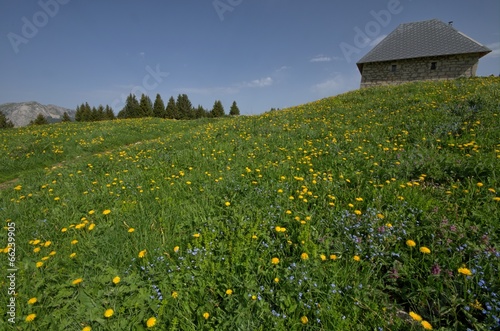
x=180 y=109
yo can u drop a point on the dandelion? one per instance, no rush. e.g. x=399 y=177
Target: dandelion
x=116 y=280
x=39 y=264
x=72 y=255
x=142 y=253
x=410 y=243
x=356 y=258
x=276 y=280
x=87 y=328
x=32 y=301
x=464 y=271
x=381 y=216
x=206 y=315
x=227 y=203
x=196 y=235
x=108 y=313
x=77 y=281
x=275 y=260
x=106 y=212
x=151 y=322
x=323 y=257
x=131 y=230
x=304 y=320
x=64 y=229
x=74 y=242
x=425 y=250
x=229 y=291
x=175 y=294
x=176 y=249
x=30 y=317
x=91 y=226
x=304 y=256
x=426 y=325
x=47 y=244
x=36 y=250
x=91 y=212
x=357 y=212
x=479 y=184
x=333 y=257
x=415 y=316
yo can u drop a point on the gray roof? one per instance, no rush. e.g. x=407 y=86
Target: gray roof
x=422 y=39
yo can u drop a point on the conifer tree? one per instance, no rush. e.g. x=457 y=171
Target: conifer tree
x=4 y=122
x=184 y=107
x=159 y=107
x=234 y=110
x=39 y=120
x=65 y=117
x=217 y=110
x=131 y=108
x=171 y=110
x=145 y=106
x=200 y=112
x=108 y=113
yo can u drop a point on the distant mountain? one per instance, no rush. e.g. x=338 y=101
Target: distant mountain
x=23 y=112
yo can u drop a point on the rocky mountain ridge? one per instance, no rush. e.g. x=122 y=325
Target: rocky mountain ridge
x=22 y=113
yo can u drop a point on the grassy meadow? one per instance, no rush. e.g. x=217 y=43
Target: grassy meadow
x=377 y=209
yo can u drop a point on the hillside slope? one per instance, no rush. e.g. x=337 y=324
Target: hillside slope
x=374 y=210
x=22 y=113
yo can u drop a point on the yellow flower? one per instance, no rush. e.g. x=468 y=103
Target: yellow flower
x=18 y=188
x=425 y=250
x=116 y=280
x=142 y=254
x=64 y=229
x=415 y=316
x=39 y=264
x=333 y=257
x=227 y=203
x=356 y=258
x=410 y=243
x=131 y=230
x=229 y=291
x=304 y=256
x=77 y=281
x=47 y=244
x=72 y=255
x=304 y=320
x=176 y=249
x=275 y=260
x=87 y=328
x=206 y=315
x=36 y=242
x=151 y=322
x=323 y=257
x=106 y=212
x=36 y=250
x=381 y=216
x=276 y=280
x=91 y=212
x=108 y=313
x=426 y=325
x=357 y=212
x=32 y=301
x=52 y=253
x=479 y=184
x=91 y=226
x=465 y=271
x=74 y=242
x=30 y=317
x=175 y=294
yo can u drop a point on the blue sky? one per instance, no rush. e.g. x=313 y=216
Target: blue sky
x=260 y=53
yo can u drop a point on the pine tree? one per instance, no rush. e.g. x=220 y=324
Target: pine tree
x=171 y=110
x=200 y=112
x=234 y=110
x=131 y=108
x=4 y=122
x=108 y=113
x=159 y=107
x=184 y=107
x=78 y=114
x=66 y=117
x=86 y=113
x=145 y=106
x=217 y=110
x=39 y=120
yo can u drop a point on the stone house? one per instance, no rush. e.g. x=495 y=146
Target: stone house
x=427 y=50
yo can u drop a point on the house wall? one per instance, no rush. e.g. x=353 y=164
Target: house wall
x=447 y=67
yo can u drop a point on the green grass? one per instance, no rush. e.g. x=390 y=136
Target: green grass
x=347 y=180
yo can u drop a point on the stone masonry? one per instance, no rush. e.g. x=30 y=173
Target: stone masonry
x=416 y=69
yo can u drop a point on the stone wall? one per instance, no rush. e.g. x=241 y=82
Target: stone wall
x=425 y=68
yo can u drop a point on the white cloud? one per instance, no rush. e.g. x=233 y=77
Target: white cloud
x=320 y=58
x=377 y=40
x=336 y=85
x=495 y=47
x=267 y=81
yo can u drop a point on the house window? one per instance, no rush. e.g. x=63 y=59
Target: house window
x=433 y=65
x=394 y=67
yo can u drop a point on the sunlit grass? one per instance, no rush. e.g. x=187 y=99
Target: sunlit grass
x=374 y=210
